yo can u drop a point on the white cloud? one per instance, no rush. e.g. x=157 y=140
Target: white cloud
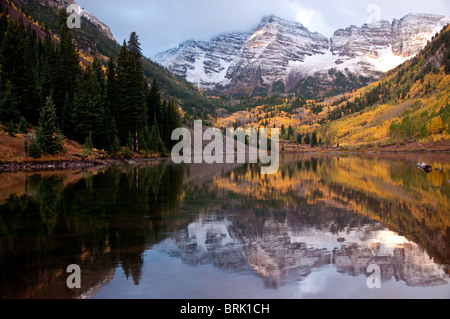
x=311 y=19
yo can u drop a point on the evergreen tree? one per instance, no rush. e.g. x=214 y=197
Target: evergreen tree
x=142 y=140
x=173 y=122
x=113 y=137
x=88 y=112
x=32 y=148
x=47 y=132
x=154 y=102
x=8 y=108
x=147 y=138
x=129 y=144
x=290 y=131
x=115 y=147
x=11 y=128
x=100 y=76
x=111 y=101
x=17 y=68
x=123 y=85
x=23 y=126
x=104 y=138
x=131 y=84
x=314 y=139
x=155 y=142
x=307 y=139
x=134 y=47
x=28 y=85
x=139 y=87
x=48 y=68
x=66 y=123
x=163 y=123
x=68 y=68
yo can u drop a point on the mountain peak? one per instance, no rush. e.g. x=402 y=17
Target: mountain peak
x=269 y=19
x=279 y=55
x=415 y=15
x=274 y=20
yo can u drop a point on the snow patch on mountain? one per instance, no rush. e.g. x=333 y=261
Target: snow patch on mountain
x=386 y=59
x=279 y=51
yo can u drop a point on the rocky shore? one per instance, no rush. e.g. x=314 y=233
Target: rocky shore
x=61 y=165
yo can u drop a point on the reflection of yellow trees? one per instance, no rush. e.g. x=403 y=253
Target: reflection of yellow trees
x=411 y=193
x=274 y=187
x=389 y=191
x=436 y=179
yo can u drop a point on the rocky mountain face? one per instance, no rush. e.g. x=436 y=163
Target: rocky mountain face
x=63 y=4
x=280 y=56
x=282 y=251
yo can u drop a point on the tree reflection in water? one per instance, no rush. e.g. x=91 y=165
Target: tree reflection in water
x=341 y=211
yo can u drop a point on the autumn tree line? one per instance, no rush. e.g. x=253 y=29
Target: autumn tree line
x=417 y=79
x=43 y=85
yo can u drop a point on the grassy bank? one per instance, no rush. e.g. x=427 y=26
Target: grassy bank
x=13 y=153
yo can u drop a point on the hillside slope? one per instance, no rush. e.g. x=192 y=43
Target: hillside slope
x=92 y=42
x=409 y=104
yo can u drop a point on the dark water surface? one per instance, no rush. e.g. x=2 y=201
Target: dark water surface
x=158 y=230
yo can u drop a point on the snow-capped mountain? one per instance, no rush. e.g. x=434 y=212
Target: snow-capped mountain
x=282 y=56
x=284 y=251
x=205 y=63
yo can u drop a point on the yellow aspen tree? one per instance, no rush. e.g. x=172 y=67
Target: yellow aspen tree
x=436 y=125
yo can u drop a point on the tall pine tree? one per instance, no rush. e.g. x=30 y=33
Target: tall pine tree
x=123 y=84
x=88 y=112
x=111 y=102
x=47 y=132
x=132 y=114
x=17 y=68
x=155 y=143
x=173 y=122
x=154 y=102
x=8 y=107
x=68 y=66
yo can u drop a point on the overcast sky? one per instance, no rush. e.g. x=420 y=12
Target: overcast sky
x=163 y=24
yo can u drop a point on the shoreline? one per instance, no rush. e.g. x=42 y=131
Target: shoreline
x=374 y=151
x=72 y=163
x=30 y=166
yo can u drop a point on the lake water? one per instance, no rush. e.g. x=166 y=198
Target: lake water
x=165 y=231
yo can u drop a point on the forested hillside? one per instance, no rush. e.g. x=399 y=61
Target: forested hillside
x=44 y=84
x=81 y=85
x=409 y=104
x=91 y=42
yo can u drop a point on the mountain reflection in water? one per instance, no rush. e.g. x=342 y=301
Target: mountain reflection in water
x=319 y=219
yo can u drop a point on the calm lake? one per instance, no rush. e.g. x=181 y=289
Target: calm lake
x=165 y=231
